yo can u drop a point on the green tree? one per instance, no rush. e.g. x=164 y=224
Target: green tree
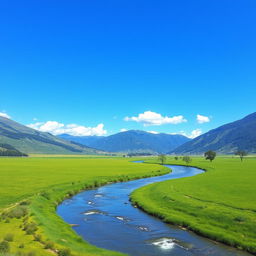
x=162 y=158
x=187 y=159
x=241 y=154
x=176 y=158
x=210 y=155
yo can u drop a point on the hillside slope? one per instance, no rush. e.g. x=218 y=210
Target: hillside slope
x=226 y=139
x=28 y=140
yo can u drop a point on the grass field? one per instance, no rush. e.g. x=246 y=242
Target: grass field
x=31 y=188
x=219 y=204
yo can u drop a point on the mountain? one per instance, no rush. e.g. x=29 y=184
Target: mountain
x=28 y=140
x=238 y=135
x=8 y=150
x=132 y=141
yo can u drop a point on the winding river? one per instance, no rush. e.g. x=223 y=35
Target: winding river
x=104 y=217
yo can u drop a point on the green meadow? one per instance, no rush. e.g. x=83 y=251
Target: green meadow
x=219 y=204
x=31 y=188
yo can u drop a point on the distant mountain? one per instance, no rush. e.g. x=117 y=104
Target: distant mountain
x=28 y=140
x=8 y=150
x=131 y=141
x=226 y=139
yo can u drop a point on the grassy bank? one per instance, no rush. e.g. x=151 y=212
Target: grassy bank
x=219 y=204
x=31 y=188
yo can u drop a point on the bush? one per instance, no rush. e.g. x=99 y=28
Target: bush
x=64 y=252
x=30 y=228
x=4 y=247
x=45 y=195
x=21 y=246
x=38 y=237
x=49 y=245
x=9 y=237
x=18 y=212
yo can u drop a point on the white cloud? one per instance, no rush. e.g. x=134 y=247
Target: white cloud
x=153 y=132
x=149 y=118
x=202 y=119
x=195 y=133
x=123 y=130
x=4 y=115
x=57 y=128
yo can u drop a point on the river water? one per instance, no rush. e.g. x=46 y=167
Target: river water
x=104 y=217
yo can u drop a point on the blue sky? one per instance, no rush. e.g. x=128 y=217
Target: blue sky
x=88 y=63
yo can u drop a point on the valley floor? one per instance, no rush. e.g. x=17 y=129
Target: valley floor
x=219 y=204
x=31 y=188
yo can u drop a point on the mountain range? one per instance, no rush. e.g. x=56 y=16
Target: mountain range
x=227 y=139
x=238 y=135
x=28 y=140
x=131 y=141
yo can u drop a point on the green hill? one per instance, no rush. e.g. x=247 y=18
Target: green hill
x=28 y=140
x=8 y=150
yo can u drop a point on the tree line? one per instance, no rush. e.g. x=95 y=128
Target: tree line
x=209 y=155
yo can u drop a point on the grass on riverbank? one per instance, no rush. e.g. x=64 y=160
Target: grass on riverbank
x=219 y=204
x=31 y=188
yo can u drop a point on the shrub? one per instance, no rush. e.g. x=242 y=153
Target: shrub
x=25 y=202
x=9 y=237
x=21 y=246
x=240 y=219
x=4 y=247
x=30 y=228
x=18 y=212
x=38 y=237
x=49 y=245
x=45 y=195
x=64 y=252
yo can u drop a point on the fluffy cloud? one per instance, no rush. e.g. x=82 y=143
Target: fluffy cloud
x=4 y=115
x=149 y=118
x=195 y=133
x=123 y=130
x=57 y=128
x=153 y=132
x=202 y=119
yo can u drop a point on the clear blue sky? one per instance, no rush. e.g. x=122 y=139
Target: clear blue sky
x=91 y=62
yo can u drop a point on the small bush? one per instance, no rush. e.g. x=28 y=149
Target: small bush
x=18 y=212
x=45 y=195
x=25 y=202
x=4 y=247
x=64 y=252
x=9 y=237
x=30 y=228
x=240 y=219
x=38 y=237
x=49 y=245
x=21 y=246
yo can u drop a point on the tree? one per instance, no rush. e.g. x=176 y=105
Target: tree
x=187 y=159
x=210 y=155
x=162 y=158
x=241 y=154
x=176 y=158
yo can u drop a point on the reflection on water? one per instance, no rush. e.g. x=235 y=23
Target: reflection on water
x=105 y=218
